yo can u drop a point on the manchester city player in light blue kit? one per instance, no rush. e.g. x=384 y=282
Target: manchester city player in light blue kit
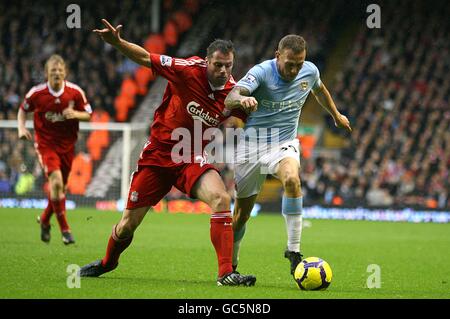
x=273 y=93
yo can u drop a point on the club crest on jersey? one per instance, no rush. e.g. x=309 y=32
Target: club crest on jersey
x=199 y=114
x=57 y=101
x=250 y=79
x=134 y=196
x=165 y=60
x=201 y=160
x=304 y=85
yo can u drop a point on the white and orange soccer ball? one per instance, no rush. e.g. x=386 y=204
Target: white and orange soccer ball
x=313 y=273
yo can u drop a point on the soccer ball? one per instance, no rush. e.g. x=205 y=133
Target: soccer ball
x=313 y=273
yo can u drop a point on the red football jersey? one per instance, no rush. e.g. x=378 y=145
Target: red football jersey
x=188 y=97
x=51 y=129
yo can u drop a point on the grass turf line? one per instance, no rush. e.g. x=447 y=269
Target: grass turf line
x=171 y=256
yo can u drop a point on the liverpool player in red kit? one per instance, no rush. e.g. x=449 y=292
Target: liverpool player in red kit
x=58 y=106
x=194 y=94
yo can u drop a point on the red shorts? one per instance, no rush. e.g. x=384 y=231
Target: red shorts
x=51 y=161
x=149 y=184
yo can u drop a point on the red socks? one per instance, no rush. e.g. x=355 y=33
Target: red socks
x=59 y=208
x=47 y=214
x=221 y=233
x=221 y=236
x=115 y=247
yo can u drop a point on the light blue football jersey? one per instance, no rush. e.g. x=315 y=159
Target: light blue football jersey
x=279 y=102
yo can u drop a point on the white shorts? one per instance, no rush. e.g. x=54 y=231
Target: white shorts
x=253 y=163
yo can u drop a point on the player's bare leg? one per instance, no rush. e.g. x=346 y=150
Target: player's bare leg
x=120 y=239
x=292 y=206
x=55 y=180
x=58 y=202
x=242 y=210
x=131 y=219
x=211 y=190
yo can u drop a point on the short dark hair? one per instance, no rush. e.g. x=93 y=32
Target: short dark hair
x=224 y=46
x=294 y=42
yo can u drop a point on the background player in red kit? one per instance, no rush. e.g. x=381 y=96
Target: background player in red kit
x=58 y=106
x=196 y=92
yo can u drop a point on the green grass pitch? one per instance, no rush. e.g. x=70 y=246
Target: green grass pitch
x=172 y=257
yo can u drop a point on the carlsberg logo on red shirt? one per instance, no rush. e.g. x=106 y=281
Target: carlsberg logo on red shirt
x=198 y=113
x=54 y=117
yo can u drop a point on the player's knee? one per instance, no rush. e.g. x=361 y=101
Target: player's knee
x=221 y=201
x=292 y=185
x=126 y=227
x=242 y=218
x=57 y=185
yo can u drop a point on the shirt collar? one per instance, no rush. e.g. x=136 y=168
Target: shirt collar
x=216 y=88
x=56 y=94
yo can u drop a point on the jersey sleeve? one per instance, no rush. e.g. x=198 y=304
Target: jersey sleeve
x=173 y=69
x=81 y=102
x=253 y=79
x=28 y=104
x=316 y=79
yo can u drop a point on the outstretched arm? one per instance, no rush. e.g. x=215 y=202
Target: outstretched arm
x=240 y=97
x=133 y=51
x=324 y=98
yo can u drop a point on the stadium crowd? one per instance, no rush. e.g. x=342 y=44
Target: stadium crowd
x=396 y=91
x=393 y=86
x=256 y=36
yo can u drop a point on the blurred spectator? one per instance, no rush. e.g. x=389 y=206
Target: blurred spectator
x=377 y=196
x=5 y=185
x=25 y=182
